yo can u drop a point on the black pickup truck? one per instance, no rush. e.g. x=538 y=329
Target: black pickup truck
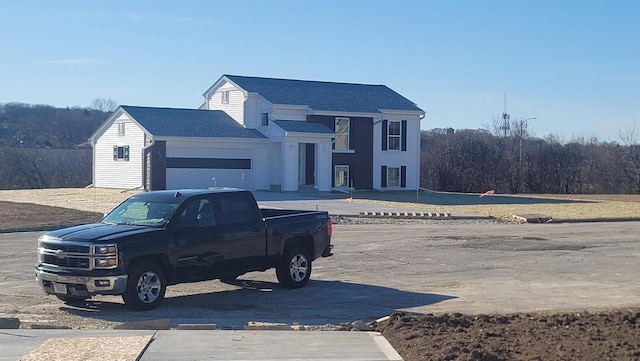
x=162 y=238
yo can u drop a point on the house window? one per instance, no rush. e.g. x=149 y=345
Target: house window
x=121 y=153
x=342 y=134
x=341 y=176
x=265 y=119
x=393 y=177
x=394 y=135
x=121 y=129
x=225 y=97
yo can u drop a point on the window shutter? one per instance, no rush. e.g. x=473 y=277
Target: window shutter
x=352 y=136
x=126 y=153
x=403 y=176
x=384 y=136
x=115 y=152
x=383 y=177
x=403 y=136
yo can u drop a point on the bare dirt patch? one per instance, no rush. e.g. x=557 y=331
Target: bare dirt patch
x=613 y=335
x=29 y=216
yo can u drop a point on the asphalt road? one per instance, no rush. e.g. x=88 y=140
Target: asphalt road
x=376 y=270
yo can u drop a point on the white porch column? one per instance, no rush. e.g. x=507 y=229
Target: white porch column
x=290 y=166
x=324 y=171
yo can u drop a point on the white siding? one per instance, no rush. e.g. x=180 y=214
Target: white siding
x=118 y=174
x=284 y=113
x=235 y=106
x=276 y=172
x=396 y=158
x=251 y=114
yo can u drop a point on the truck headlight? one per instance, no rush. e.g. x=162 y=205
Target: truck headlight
x=108 y=249
x=109 y=262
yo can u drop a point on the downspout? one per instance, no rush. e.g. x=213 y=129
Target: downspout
x=418 y=185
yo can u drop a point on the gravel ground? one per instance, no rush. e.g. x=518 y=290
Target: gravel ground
x=602 y=335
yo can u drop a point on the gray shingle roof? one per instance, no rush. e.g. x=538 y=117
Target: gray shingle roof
x=327 y=96
x=303 y=127
x=174 y=122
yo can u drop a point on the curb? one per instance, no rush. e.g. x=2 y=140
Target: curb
x=418 y=215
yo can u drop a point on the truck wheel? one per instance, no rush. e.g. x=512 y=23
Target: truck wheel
x=71 y=300
x=295 y=269
x=146 y=286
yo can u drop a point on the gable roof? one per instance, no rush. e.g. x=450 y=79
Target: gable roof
x=175 y=122
x=325 y=96
x=303 y=127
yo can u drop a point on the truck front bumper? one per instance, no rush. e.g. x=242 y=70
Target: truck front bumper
x=81 y=285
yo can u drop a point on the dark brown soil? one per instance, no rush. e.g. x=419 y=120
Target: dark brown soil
x=604 y=335
x=27 y=216
x=610 y=335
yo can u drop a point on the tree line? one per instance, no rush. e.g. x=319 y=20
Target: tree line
x=513 y=162
x=45 y=147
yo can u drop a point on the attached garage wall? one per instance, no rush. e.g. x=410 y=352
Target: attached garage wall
x=231 y=163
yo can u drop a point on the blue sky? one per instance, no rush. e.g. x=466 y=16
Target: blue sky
x=573 y=65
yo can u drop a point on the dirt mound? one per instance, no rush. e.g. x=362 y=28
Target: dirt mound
x=611 y=335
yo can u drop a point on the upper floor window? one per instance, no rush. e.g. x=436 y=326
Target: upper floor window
x=265 y=119
x=121 y=152
x=225 y=97
x=394 y=135
x=121 y=129
x=342 y=134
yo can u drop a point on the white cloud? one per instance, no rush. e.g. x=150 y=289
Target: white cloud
x=73 y=61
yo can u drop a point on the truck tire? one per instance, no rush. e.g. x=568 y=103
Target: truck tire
x=146 y=286
x=295 y=269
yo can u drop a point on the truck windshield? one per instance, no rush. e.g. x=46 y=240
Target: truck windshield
x=141 y=213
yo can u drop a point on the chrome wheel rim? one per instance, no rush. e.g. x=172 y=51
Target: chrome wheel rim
x=298 y=268
x=149 y=286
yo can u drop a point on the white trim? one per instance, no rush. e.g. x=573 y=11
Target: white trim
x=210 y=139
x=401 y=112
x=292 y=107
x=336 y=113
x=309 y=135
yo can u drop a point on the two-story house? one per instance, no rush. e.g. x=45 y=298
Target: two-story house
x=265 y=134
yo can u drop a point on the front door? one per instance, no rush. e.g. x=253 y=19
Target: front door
x=310 y=172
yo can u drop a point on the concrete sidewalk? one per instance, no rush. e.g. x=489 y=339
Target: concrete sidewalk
x=78 y=345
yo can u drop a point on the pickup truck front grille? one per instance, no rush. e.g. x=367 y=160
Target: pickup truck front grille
x=67 y=262
x=69 y=248
x=77 y=255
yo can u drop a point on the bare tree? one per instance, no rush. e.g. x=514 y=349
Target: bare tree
x=103 y=105
x=631 y=153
